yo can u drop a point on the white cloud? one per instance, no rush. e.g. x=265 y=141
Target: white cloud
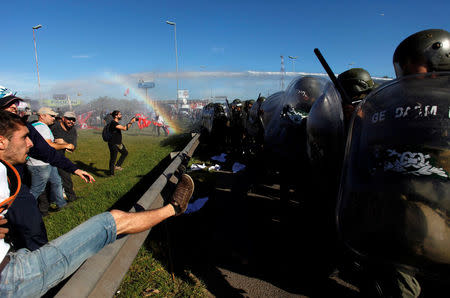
x=245 y=84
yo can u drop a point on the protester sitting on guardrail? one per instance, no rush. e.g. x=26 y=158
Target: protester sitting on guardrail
x=29 y=229
x=31 y=274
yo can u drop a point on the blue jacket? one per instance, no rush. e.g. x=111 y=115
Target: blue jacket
x=27 y=228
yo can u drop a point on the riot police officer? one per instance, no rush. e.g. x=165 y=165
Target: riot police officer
x=357 y=83
x=394 y=200
x=237 y=125
x=423 y=52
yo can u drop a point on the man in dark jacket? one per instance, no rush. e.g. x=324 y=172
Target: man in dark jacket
x=115 y=145
x=25 y=221
x=65 y=132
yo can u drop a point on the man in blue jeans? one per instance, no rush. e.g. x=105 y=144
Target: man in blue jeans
x=42 y=172
x=26 y=273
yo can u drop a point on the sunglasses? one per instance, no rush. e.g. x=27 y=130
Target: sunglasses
x=71 y=119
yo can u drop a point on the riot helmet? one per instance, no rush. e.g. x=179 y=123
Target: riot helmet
x=356 y=82
x=236 y=102
x=303 y=91
x=428 y=50
x=394 y=198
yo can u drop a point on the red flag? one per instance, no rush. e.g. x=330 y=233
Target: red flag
x=144 y=122
x=83 y=118
x=126 y=92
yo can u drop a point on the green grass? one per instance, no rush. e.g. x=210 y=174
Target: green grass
x=149 y=277
x=145 y=152
x=92 y=154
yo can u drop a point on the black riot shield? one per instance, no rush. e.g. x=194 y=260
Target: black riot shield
x=254 y=123
x=271 y=106
x=325 y=136
x=285 y=113
x=394 y=198
x=303 y=91
x=213 y=116
x=208 y=117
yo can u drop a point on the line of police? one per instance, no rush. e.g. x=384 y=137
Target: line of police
x=385 y=157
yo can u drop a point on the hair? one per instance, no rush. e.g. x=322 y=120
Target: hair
x=115 y=113
x=9 y=123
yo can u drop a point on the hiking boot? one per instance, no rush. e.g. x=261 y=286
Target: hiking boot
x=182 y=194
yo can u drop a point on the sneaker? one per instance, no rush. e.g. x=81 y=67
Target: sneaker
x=118 y=168
x=54 y=208
x=182 y=194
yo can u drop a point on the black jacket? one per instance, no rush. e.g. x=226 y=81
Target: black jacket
x=27 y=229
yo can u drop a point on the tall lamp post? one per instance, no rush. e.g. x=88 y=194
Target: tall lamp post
x=35 y=53
x=176 y=52
x=293 y=62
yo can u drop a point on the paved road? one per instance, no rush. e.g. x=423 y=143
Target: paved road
x=243 y=245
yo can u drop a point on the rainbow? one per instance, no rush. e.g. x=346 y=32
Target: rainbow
x=140 y=95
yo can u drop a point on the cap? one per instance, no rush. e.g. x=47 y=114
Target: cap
x=6 y=97
x=47 y=111
x=69 y=114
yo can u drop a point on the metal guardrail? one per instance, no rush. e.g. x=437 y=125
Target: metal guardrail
x=101 y=275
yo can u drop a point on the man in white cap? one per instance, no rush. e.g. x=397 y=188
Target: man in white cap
x=42 y=172
x=65 y=132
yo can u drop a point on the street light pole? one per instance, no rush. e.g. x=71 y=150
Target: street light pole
x=293 y=62
x=176 y=51
x=35 y=53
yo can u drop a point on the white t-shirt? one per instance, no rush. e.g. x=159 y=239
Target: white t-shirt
x=4 y=194
x=46 y=133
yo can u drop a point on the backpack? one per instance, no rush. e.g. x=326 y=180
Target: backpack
x=106 y=133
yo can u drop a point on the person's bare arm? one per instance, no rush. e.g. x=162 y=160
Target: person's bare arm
x=125 y=127
x=85 y=176
x=57 y=146
x=61 y=141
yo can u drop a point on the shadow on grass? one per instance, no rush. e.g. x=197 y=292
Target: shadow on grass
x=137 y=191
x=131 y=197
x=91 y=169
x=179 y=141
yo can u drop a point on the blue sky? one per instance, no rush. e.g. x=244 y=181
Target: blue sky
x=99 y=48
